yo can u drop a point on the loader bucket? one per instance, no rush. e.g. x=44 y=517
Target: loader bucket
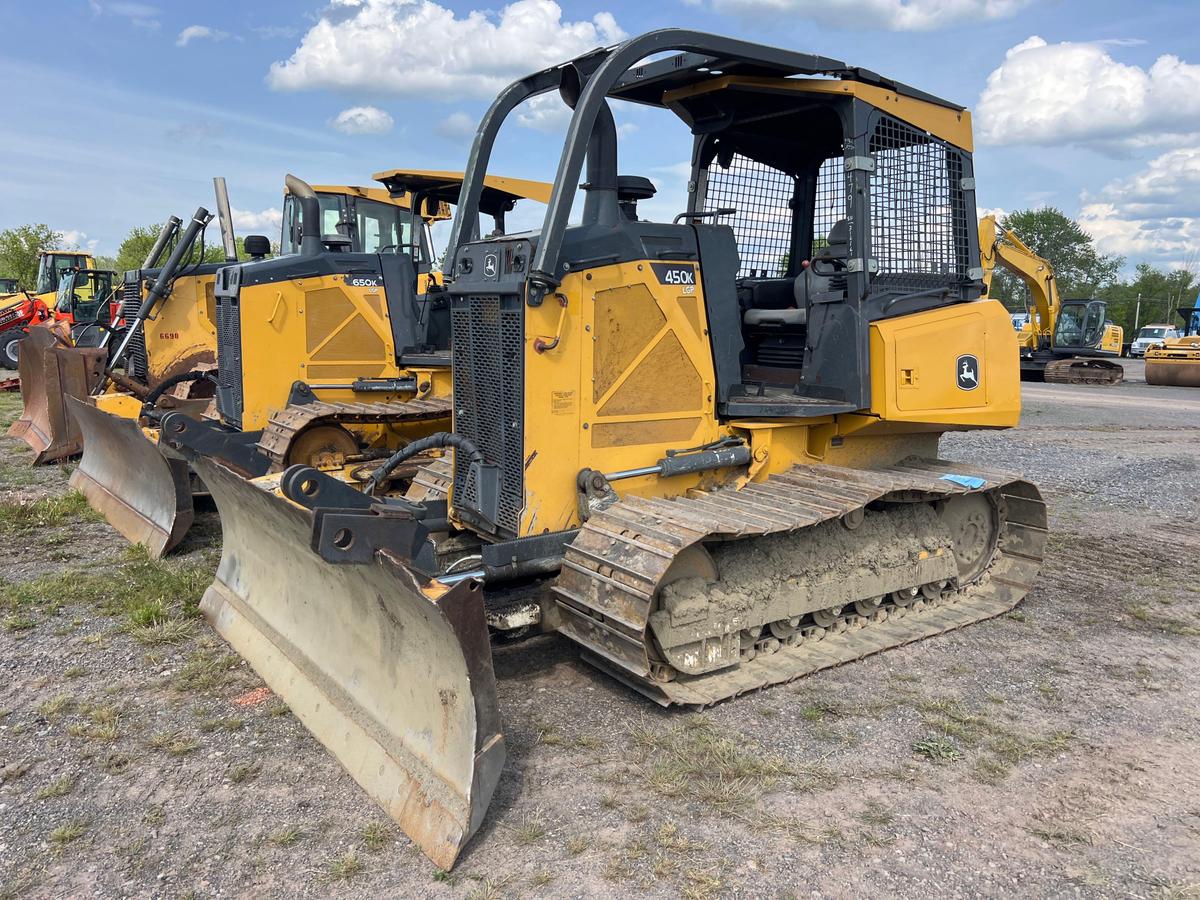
x=49 y=372
x=397 y=683
x=142 y=493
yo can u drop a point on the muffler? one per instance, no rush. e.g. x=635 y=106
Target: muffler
x=391 y=673
x=144 y=494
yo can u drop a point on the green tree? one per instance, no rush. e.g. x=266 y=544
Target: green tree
x=19 y=249
x=1161 y=292
x=1080 y=269
x=137 y=244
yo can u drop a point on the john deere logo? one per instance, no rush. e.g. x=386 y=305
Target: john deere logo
x=967 y=368
x=491 y=263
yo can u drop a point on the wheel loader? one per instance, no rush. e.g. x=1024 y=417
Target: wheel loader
x=703 y=450
x=342 y=337
x=1176 y=361
x=1063 y=341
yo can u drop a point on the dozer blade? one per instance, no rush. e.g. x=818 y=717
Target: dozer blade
x=395 y=682
x=50 y=371
x=142 y=493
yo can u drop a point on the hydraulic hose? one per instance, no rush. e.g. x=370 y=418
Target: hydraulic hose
x=435 y=441
x=195 y=375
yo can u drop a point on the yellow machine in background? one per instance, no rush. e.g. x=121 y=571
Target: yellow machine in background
x=1176 y=361
x=1068 y=342
x=704 y=450
x=344 y=318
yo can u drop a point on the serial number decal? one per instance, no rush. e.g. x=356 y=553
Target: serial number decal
x=677 y=274
x=562 y=403
x=363 y=281
x=168 y=335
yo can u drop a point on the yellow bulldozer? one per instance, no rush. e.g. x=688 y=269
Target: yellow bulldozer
x=1176 y=361
x=703 y=450
x=1064 y=341
x=344 y=319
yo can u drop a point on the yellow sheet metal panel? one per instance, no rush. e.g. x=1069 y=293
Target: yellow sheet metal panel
x=954 y=365
x=630 y=378
x=952 y=125
x=183 y=334
x=323 y=321
x=120 y=404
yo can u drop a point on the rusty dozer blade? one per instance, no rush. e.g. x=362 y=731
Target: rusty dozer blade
x=49 y=372
x=144 y=494
x=394 y=680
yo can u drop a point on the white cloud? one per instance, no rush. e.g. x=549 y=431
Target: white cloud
x=457 y=126
x=141 y=15
x=73 y=239
x=892 y=15
x=1153 y=214
x=418 y=48
x=545 y=112
x=1077 y=93
x=267 y=221
x=199 y=32
x=363 y=120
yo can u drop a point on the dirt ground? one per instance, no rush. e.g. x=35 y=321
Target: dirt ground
x=1051 y=752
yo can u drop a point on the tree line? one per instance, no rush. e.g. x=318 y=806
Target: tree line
x=19 y=248
x=1084 y=272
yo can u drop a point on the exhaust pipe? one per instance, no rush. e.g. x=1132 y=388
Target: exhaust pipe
x=161 y=288
x=225 y=220
x=310 y=215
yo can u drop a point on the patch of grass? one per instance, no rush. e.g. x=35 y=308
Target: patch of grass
x=71 y=831
x=937 y=749
x=529 y=832
x=115 y=763
x=205 y=670
x=285 y=837
x=174 y=743
x=699 y=761
x=346 y=867
x=547 y=734
x=155 y=815
x=578 y=844
x=876 y=813
x=443 y=877
x=376 y=835
x=821 y=709
x=53 y=709
x=242 y=772
x=59 y=787
x=75 y=672
x=541 y=879
x=700 y=884
x=18 y=623
x=207 y=726
x=609 y=801
x=276 y=707
x=18 y=516
x=488 y=888
x=171 y=631
x=1061 y=836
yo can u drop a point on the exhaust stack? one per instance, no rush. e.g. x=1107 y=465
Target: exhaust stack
x=225 y=220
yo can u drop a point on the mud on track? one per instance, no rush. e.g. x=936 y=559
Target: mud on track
x=1048 y=752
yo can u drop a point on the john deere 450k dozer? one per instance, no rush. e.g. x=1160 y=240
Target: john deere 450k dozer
x=704 y=450
x=327 y=353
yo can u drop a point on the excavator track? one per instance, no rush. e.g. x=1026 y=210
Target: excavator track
x=613 y=573
x=1083 y=370
x=287 y=424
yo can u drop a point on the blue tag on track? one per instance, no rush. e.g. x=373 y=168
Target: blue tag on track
x=967 y=481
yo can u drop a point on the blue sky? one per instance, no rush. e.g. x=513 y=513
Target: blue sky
x=119 y=113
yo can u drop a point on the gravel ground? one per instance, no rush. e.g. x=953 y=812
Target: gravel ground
x=1050 y=752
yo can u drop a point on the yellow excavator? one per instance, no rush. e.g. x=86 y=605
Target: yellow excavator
x=1064 y=341
x=1176 y=361
x=703 y=450
x=345 y=333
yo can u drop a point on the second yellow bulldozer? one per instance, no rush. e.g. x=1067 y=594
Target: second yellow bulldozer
x=703 y=450
x=1176 y=361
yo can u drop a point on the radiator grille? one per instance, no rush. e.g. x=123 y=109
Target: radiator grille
x=136 y=364
x=230 y=400
x=488 y=340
